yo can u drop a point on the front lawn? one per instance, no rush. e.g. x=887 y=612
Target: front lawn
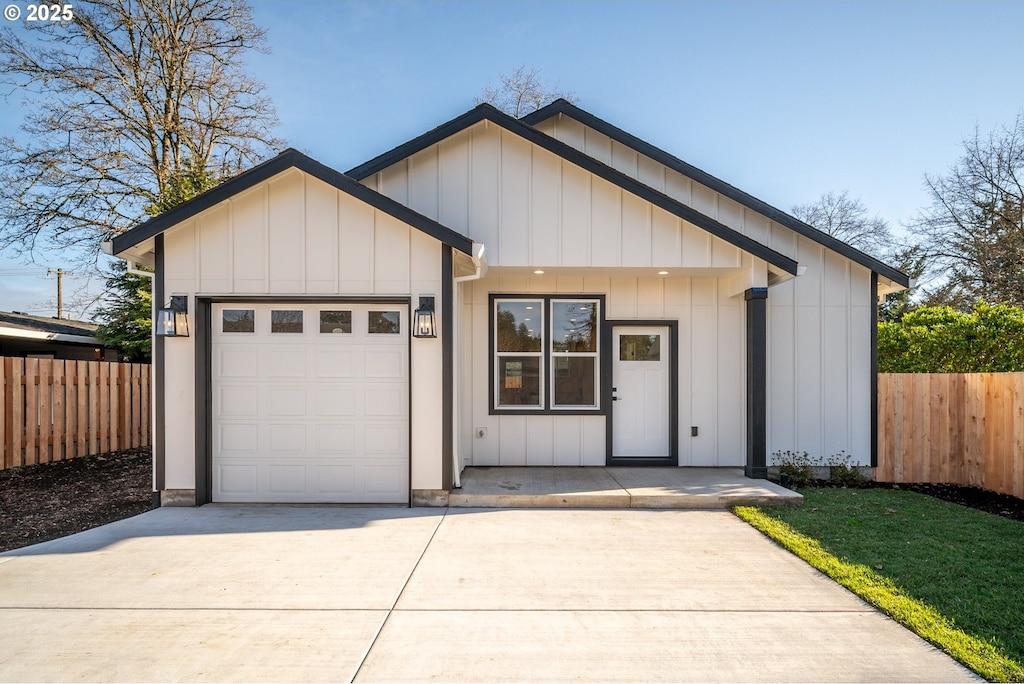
x=952 y=574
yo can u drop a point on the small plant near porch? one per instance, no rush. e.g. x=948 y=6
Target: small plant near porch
x=799 y=469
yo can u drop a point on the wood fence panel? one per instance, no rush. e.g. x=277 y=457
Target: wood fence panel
x=55 y=410
x=964 y=429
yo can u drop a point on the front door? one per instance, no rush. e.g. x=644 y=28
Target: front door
x=640 y=394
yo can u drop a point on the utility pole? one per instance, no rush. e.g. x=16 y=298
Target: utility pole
x=60 y=288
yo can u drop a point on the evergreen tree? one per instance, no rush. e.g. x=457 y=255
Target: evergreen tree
x=128 y=314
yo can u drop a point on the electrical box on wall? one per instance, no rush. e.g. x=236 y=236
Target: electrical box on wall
x=481 y=433
x=693 y=430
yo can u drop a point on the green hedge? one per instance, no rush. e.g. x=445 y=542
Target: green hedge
x=938 y=339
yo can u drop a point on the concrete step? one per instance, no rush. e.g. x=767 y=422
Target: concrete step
x=618 y=487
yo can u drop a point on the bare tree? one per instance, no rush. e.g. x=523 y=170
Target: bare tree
x=974 y=228
x=845 y=218
x=123 y=99
x=522 y=92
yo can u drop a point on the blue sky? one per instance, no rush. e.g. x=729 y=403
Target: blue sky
x=786 y=100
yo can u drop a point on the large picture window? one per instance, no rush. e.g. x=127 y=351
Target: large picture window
x=546 y=353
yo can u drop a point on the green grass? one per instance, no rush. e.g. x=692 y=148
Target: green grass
x=953 y=575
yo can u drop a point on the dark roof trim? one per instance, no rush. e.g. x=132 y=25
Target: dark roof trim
x=288 y=159
x=571 y=154
x=562 y=106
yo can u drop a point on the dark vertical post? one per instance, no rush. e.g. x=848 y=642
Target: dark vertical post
x=159 y=370
x=447 y=369
x=204 y=399
x=757 y=382
x=874 y=369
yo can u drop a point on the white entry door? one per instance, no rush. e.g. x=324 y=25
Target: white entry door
x=310 y=402
x=640 y=398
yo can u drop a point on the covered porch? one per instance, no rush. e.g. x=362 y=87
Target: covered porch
x=615 y=487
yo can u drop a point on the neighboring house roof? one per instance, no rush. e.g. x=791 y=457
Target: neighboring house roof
x=571 y=154
x=565 y=107
x=288 y=159
x=14 y=324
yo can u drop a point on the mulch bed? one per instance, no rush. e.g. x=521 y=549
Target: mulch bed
x=51 y=500
x=43 y=502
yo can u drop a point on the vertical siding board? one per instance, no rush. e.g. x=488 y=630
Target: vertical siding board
x=512 y=440
x=483 y=189
x=515 y=182
x=248 y=257
x=637 y=246
x=540 y=440
x=453 y=162
x=666 y=237
x=545 y=209
x=605 y=223
x=568 y=442
x=575 y=216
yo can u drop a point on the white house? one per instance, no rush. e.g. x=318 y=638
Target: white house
x=595 y=299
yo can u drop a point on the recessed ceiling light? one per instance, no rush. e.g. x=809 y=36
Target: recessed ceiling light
x=662 y=272
x=539 y=272
x=529 y=308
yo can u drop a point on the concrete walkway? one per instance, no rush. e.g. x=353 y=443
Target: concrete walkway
x=674 y=487
x=289 y=593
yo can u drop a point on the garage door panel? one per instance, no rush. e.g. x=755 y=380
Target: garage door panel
x=339 y=440
x=385 y=402
x=237 y=438
x=337 y=363
x=386 y=439
x=237 y=362
x=383 y=478
x=286 y=363
x=310 y=416
x=385 y=363
x=286 y=479
x=238 y=479
x=285 y=400
x=336 y=400
x=287 y=439
x=231 y=401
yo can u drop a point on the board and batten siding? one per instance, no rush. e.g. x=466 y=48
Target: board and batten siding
x=294 y=235
x=532 y=208
x=819 y=324
x=711 y=380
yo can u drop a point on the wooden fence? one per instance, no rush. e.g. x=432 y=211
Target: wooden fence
x=955 y=428
x=55 y=410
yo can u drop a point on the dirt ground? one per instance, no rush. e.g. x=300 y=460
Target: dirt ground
x=43 y=502
x=51 y=500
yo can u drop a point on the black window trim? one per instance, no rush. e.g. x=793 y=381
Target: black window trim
x=546 y=410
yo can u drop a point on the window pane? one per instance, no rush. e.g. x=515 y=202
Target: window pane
x=384 y=322
x=289 y=321
x=518 y=326
x=238 y=320
x=519 y=380
x=640 y=348
x=335 y=321
x=574 y=380
x=574 y=326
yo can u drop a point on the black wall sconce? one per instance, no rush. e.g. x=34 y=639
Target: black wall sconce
x=423 y=322
x=172 y=320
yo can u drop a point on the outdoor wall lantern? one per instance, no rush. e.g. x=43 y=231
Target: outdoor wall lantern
x=423 y=322
x=172 y=320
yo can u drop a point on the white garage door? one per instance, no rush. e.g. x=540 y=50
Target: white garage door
x=310 y=403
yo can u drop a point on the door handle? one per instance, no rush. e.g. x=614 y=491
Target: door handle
x=614 y=398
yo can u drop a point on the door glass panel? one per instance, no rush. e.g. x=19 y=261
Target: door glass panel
x=639 y=347
x=519 y=380
x=518 y=326
x=286 y=321
x=335 y=321
x=384 y=322
x=573 y=326
x=574 y=380
x=238 y=320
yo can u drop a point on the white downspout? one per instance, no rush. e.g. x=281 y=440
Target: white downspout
x=481 y=269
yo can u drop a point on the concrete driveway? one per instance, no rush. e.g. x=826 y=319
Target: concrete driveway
x=282 y=593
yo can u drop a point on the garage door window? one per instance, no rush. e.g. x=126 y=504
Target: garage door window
x=238 y=321
x=384 y=323
x=333 y=322
x=287 y=321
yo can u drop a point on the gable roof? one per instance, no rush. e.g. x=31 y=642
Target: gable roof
x=571 y=154
x=57 y=326
x=289 y=159
x=562 y=106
